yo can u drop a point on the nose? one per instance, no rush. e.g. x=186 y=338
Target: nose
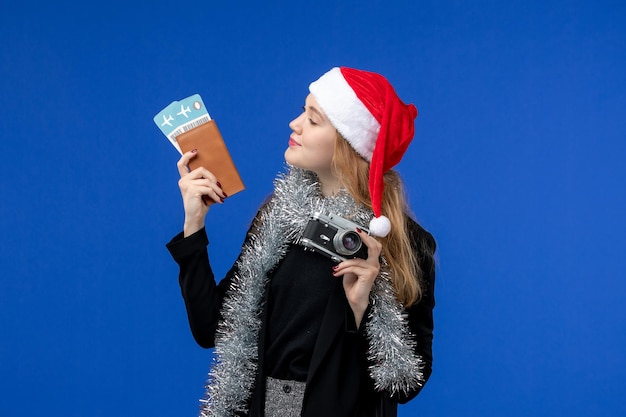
x=296 y=123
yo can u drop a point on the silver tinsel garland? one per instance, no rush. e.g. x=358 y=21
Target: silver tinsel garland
x=395 y=367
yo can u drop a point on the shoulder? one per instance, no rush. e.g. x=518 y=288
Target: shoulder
x=424 y=245
x=259 y=217
x=420 y=237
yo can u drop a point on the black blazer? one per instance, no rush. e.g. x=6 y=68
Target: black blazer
x=338 y=378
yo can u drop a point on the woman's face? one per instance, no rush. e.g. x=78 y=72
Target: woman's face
x=312 y=141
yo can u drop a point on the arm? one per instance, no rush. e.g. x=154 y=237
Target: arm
x=199 y=190
x=203 y=297
x=358 y=278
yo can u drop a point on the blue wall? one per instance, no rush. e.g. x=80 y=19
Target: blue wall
x=517 y=169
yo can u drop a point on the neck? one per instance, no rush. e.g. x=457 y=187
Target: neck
x=329 y=184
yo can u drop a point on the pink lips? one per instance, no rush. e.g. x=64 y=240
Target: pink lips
x=293 y=142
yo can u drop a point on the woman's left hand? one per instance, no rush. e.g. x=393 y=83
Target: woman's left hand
x=359 y=275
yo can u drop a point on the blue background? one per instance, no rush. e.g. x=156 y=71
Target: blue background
x=517 y=169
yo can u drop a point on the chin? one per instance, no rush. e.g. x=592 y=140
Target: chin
x=290 y=160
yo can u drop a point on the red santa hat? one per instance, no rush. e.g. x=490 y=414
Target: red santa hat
x=367 y=112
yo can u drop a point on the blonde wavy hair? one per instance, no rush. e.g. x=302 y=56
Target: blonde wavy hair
x=353 y=172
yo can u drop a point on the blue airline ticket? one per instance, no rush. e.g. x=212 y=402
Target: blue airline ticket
x=181 y=116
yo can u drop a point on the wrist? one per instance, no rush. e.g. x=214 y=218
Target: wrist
x=359 y=312
x=190 y=227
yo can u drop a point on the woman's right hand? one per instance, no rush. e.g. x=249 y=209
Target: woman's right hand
x=200 y=189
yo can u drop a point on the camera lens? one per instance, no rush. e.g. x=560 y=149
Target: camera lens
x=347 y=243
x=350 y=241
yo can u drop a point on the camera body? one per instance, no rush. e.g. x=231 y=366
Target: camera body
x=334 y=237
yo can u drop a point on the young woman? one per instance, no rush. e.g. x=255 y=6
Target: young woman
x=296 y=331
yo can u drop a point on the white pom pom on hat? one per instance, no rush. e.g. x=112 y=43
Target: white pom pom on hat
x=380 y=226
x=367 y=112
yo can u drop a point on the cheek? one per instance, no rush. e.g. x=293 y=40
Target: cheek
x=325 y=146
x=330 y=151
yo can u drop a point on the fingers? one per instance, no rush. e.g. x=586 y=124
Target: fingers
x=374 y=247
x=199 y=183
x=183 y=162
x=201 y=187
x=213 y=191
x=362 y=268
x=359 y=267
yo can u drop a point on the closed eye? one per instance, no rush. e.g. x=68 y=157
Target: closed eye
x=308 y=118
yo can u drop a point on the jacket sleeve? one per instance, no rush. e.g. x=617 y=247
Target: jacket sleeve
x=420 y=315
x=203 y=297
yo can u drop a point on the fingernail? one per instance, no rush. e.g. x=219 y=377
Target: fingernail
x=336 y=267
x=358 y=230
x=221 y=199
x=194 y=150
x=225 y=195
x=218 y=184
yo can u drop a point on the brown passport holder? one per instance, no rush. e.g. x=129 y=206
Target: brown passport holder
x=212 y=155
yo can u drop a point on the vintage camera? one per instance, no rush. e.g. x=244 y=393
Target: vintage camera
x=334 y=237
